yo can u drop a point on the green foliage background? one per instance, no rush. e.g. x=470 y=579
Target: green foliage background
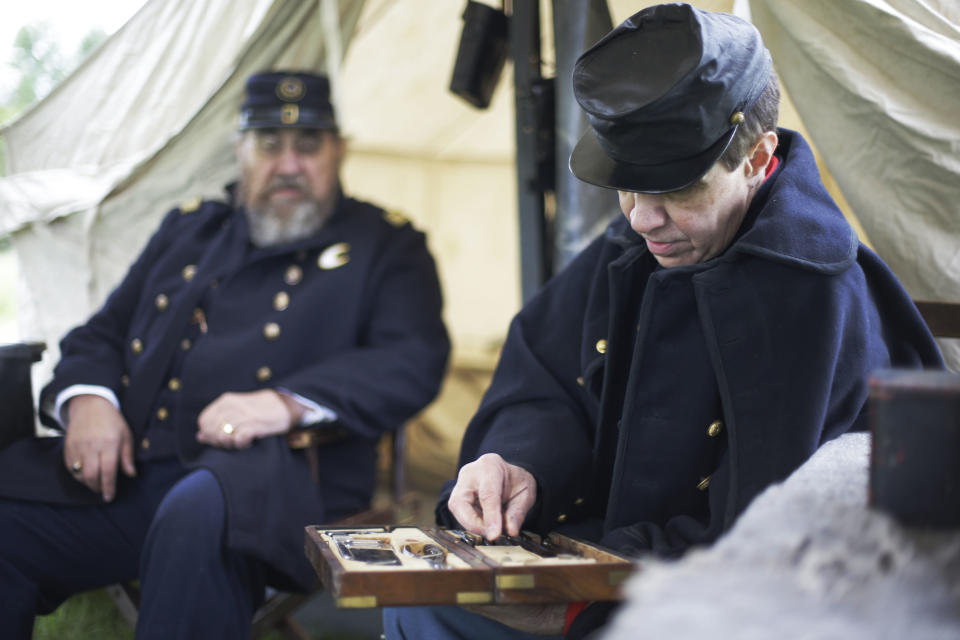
x=40 y=65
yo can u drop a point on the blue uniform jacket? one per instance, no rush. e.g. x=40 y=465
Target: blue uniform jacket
x=652 y=405
x=349 y=318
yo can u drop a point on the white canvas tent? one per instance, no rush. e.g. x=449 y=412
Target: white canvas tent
x=877 y=84
x=147 y=122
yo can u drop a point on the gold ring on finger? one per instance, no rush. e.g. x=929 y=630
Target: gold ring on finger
x=77 y=466
x=227 y=428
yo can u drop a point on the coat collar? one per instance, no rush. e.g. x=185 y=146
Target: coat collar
x=797 y=222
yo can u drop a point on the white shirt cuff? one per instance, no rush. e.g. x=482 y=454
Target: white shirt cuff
x=314 y=412
x=80 y=390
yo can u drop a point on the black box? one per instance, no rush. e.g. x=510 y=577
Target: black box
x=17 y=416
x=915 y=452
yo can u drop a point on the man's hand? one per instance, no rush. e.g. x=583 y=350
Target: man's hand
x=235 y=420
x=538 y=619
x=98 y=438
x=492 y=495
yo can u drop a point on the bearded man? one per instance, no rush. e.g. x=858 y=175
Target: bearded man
x=287 y=306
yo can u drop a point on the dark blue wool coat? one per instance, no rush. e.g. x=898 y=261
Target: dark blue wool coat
x=652 y=405
x=349 y=318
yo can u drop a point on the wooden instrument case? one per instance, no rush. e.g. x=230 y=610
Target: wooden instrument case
x=471 y=572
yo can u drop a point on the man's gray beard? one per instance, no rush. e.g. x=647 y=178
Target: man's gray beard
x=267 y=229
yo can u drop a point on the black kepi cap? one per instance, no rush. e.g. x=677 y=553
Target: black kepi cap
x=287 y=99
x=664 y=93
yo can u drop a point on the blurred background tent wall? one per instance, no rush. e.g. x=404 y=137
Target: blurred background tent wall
x=147 y=122
x=877 y=84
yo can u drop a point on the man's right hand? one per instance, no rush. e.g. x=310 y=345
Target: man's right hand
x=98 y=440
x=492 y=496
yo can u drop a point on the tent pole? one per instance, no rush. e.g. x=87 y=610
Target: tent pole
x=582 y=210
x=528 y=87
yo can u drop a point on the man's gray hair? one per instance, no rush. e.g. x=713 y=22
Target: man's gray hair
x=758 y=119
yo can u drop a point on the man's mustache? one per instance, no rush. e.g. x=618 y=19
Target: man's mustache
x=286 y=183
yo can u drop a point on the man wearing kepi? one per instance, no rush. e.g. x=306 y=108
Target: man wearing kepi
x=698 y=351
x=287 y=306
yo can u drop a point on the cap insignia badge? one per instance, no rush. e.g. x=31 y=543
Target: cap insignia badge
x=290 y=89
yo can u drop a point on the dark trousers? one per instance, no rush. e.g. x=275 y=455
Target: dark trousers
x=167 y=529
x=447 y=623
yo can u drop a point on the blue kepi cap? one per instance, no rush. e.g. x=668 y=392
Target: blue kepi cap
x=287 y=99
x=664 y=93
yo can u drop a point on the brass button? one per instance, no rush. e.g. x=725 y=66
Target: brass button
x=264 y=374
x=578 y=501
x=562 y=517
x=715 y=428
x=281 y=301
x=145 y=443
x=162 y=302
x=174 y=384
x=703 y=484
x=736 y=118
x=185 y=344
x=136 y=345
x=293 y=275
x=162 y=413
x=289 y=113
x=601 y=346
x=580 y=380
x=189 y=271
x=271 y=331
x=125 y=380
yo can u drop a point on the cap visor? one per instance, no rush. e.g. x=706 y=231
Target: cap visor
x=590 y=163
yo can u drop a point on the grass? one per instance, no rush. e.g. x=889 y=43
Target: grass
x=93 y=616
x=85 y=616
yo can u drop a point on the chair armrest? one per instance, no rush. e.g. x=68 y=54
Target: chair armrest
x=314 y=435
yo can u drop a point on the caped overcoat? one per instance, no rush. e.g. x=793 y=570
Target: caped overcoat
x=653 y=404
